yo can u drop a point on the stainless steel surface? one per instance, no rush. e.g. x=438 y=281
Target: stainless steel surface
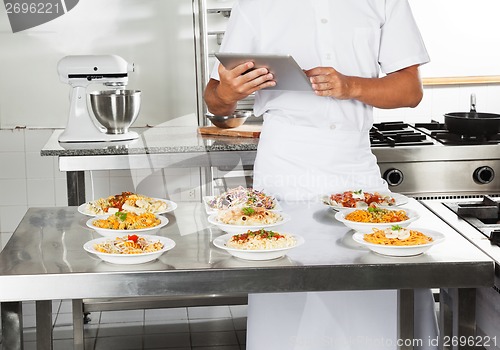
x=116 y=110
x=406 y=308
x=46 y=251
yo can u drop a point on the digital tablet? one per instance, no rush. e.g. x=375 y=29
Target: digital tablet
x=287 y=73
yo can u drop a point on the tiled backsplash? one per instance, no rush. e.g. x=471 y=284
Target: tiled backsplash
x=29 y=180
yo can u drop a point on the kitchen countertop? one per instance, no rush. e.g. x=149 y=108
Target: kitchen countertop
x=46 y=250
x=159 y=139
x=44 y=260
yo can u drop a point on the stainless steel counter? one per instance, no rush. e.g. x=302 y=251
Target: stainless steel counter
x=44 y=260
x=156 y=148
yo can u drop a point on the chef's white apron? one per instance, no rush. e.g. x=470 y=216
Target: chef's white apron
x=302 y=163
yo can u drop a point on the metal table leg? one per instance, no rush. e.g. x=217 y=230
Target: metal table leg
x=406 y=315
x=44 y=325
x=78 y=318
x=457 y=318
x=12 y=325
x=75 y=183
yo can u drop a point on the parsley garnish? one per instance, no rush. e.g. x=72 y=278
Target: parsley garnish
x=247 y=210
x=121 y=215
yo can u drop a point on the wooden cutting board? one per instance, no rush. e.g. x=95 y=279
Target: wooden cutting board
x=252 y=131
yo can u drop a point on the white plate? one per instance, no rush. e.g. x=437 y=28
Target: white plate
x=367 y=227
x=171 y=206
x=402 y=250
x=399 y=198
x=210 y=211
x=128 y=259
x=244 y=228
x=269 y=254
x=113 y=233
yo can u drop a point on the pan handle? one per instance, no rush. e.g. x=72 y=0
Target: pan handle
x=473 y=102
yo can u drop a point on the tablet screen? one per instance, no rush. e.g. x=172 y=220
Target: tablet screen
x=287 y=73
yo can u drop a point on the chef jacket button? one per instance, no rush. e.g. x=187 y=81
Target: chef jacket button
x=324 y=20
x=333 y=126
x=328 y=56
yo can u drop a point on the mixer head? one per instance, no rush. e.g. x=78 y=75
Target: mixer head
x=85 y=69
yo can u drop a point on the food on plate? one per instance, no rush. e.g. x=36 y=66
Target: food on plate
x=248 y=216
x=377 y=215
x=261 y=240
x=127 y=221
x=127 y=202
x=359 y=199
x=131 y=244
x=241 y=196
x=397 y=236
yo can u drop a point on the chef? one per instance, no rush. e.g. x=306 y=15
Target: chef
x=358 y=54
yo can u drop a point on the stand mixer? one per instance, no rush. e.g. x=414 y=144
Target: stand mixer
x=81 y=71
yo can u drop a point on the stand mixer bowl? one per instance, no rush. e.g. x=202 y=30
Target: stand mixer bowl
x=116 y=110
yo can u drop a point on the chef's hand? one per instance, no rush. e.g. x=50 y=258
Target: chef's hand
x=326 y=81
x=402 y=88
x=234 y=85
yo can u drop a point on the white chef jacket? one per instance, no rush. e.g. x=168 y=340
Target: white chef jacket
x=357 y=37
x=312 y=145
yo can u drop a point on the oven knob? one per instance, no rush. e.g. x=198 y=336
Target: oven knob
x=483 y=175
x=394 y=177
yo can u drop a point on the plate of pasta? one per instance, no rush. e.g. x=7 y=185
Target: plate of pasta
x=127 y=202
x=127 y=223
x=399 y=241
x=129 y=249
x=365 y=220
x=238 y=197
x=239 y=220
x=258 y=244
x=361 y=199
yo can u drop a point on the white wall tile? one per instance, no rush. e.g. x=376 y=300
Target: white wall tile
x=35 y=139
x=12 y=140
x=13 y=165
x=13 y=192
x=38 y=167
x=41 y=192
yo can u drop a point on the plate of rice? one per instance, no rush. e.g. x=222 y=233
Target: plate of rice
x=238 y=220
x=365 y=220
x=127 y=223
x=129 y=249
x=258 y=244
x=399 y=241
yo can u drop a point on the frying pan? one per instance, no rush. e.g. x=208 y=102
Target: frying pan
x=472 y=123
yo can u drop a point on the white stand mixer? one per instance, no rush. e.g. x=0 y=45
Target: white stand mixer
x=79 y=72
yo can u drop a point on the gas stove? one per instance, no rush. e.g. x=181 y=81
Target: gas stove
x=426 y=161
x=395 y=134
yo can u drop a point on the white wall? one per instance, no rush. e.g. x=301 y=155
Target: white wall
x=156 y=35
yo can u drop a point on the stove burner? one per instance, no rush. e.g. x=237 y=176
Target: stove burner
x=487 y=211
x=495 y=237
x=393 y=134
x=439 y=132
